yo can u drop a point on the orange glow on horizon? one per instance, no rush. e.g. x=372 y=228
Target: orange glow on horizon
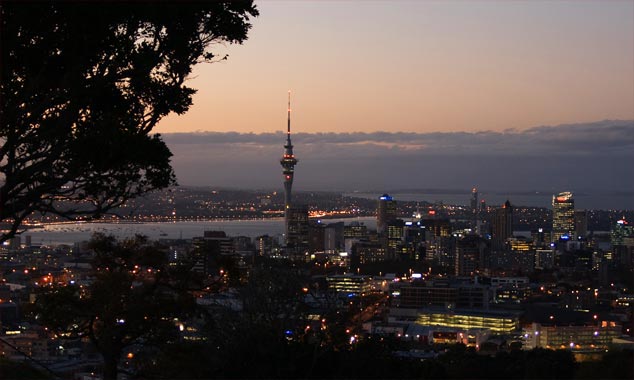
x=469 y=66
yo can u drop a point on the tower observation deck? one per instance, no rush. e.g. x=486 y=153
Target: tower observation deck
x=288 y=163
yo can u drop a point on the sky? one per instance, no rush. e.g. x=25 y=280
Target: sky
x=411 y=94
x=420 y=66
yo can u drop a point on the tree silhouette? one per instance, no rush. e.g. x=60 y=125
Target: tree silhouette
x=133 y=300
x=81 y=87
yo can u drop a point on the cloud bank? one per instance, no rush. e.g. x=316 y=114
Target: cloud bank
x=587 y=156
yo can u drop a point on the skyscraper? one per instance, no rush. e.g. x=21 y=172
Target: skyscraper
x=386 y=212
x=563 y=215
x=297 y=232
x=474 y=207
x=581 y=224
x=502 y=226
x=474 y=200
x=288 y=163
x=469 y=255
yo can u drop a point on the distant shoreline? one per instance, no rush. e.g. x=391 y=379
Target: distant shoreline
x=192 y=220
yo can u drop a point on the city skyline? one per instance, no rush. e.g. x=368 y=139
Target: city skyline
x=420 y=67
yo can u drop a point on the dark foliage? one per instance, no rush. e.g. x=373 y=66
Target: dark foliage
x=82 y=85
x=614 y=365
x=10 y=370
x=132 y=301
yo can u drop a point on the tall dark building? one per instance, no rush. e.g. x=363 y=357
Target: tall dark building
x=208 y=250
x=334 y=237
x=474 y=200
x=288 y=163
x=502 y=226
x=563 y=215
x=386 y=212
x=474 y=207
x=298 y=230
x=581 y=223
x=469 y=256
x=264 y=245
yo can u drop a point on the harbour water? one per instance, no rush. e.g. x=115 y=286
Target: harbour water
x=70 y=233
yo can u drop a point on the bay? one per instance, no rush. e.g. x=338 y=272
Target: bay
x=71 y=233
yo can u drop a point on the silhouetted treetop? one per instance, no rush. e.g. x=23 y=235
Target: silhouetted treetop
x=82 y=86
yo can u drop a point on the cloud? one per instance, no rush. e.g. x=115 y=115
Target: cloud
x=605 y=136
x=590 y=155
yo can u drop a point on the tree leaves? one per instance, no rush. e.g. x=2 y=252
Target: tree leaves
x=82 y=86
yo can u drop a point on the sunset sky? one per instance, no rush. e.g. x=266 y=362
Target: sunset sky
x=502 y=95
x=420 y=66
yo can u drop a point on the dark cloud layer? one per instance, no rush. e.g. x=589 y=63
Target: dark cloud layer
x=596 y=155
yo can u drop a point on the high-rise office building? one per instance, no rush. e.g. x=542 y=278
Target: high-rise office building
x=502 y=226
x=298 y=230
x=316 y=237
x=355 y=230
x=474 y=207
x=621 y=233
x=264 y=245
x=386 y=213
x=563 y=215
x=469 y=255
x=208 y=248
x=394 y=237
x=334 y=237
x=622 y=239
x=474 y=200
x=288 y=163
x=581 y=223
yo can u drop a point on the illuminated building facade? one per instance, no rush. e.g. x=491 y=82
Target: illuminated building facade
x=386 y=213
x=621 y=232
x=350 y=284
x=355 y=230
x=366 y=252
x=288 y=163
x=622 y=239
x=523 y=254
x=544 y=259
x=574 y=337
x=563 y=215
x=394 y=237
x=495 y=322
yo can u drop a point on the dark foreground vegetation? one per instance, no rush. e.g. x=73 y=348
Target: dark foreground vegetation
x=262 y=356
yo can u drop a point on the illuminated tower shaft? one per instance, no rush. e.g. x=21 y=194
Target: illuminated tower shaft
x=288 y=163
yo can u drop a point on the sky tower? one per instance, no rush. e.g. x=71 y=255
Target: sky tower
x=288 y=163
